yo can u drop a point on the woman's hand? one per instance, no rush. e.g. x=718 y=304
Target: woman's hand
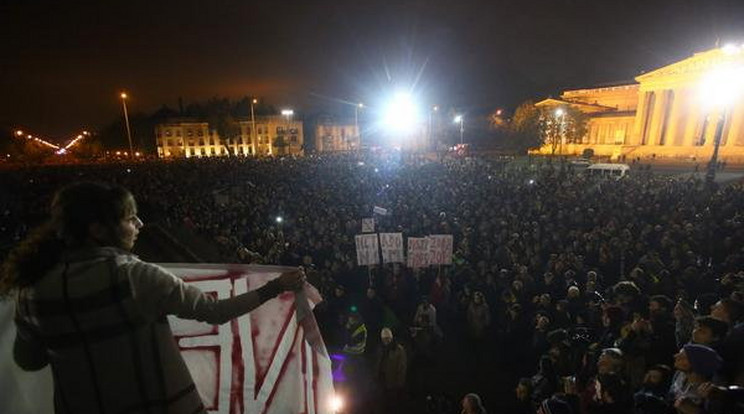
x=293 y=280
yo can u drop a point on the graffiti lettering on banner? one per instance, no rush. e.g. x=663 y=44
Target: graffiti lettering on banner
x=271 y=360
x=367 y=248
x=418 y=252
x=440 y=249
x=368 y=225
x=391 y=245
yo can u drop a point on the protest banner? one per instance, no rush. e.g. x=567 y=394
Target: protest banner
x=391 y=245
x=367 y=249
x=418 y=252
x=271 y=360
x=440 y=249
x=368 y=225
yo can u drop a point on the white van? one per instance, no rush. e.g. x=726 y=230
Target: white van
x=616 y=171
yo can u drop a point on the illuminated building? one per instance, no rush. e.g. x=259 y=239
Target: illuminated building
x=662 y=115
x=275 y=135
x=331 y=137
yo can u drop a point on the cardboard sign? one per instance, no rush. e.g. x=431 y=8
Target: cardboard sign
x=418 y=252
x=368 y=225
x=367 y=248
x=391 y=245
x=440 y=249
x=381 y=211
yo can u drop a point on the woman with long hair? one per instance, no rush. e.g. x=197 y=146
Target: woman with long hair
x=97 y=314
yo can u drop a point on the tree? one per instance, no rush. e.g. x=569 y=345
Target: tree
x=524 y=129
x=564 y=124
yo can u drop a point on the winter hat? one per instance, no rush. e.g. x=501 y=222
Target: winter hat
x=554 y=405
x=704 y=361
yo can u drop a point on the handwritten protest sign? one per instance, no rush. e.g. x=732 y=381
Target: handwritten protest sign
x=440 y=249
x=391 y=245
x=367 y=248
x=368 y=225
x=418 y=252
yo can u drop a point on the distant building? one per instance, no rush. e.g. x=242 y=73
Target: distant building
x=332 y=137
x=274 y=135
x=661 y=116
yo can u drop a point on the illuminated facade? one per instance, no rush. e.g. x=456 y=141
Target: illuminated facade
x=661 y=116
x=274 y=135
x=331 y=137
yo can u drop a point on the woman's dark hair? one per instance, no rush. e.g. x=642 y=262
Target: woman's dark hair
x=74 y=208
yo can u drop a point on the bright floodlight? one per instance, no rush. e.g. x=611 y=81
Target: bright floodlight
x=336 y=403
x=730 y=49
x=559 y=112
x=722 y=86
x=123 y=95
x=279 y=219
x=287 y=112
x=19 y=133
x=401 y=113
x=458 y=119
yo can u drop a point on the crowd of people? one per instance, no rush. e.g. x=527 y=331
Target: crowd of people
x=567 y=293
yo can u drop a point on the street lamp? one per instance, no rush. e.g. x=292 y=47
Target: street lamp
x=357 y=107
x=720 y=88
x=561 y=113
x=123 y=96
x=459 y=119
x=287 y=113
x=434 y=109
x=254 y=140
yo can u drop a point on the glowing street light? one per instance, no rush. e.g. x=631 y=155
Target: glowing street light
x=279 y=219
x=124 y=96
x=357 y=108
x=719 y=89
x=561 y=113
x=19 y=133
x=254 y=139
x=459 y=119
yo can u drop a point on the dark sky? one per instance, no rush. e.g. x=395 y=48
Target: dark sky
x=62 y=63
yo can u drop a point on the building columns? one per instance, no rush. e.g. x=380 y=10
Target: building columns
x=657 y=118
x=636 y=136
x=736 y=131
x=675 y=116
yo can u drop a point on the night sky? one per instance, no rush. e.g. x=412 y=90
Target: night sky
x=62 y=63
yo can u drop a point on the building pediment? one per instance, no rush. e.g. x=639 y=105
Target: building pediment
x=688 y=71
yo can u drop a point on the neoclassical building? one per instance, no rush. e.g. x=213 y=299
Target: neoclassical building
x=665 y=114
x=274 y=135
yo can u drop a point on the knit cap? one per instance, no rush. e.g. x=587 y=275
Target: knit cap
x=704 y=360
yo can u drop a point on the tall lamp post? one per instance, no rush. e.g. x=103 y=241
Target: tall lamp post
x=434 y=109
x=357 y=107
x=287 y=113
x=560 y=114
x=720 y=89
x=254 y=141
x=459 y=119
x=124 y=96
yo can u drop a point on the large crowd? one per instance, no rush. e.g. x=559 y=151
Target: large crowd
x=567 y=293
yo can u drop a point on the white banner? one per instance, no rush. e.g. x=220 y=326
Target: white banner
x=440 y=249
x=379 y=210
x=391 y=245
x=271 y=360
x=367 y=249
x=368 y=225
x=418 y=252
